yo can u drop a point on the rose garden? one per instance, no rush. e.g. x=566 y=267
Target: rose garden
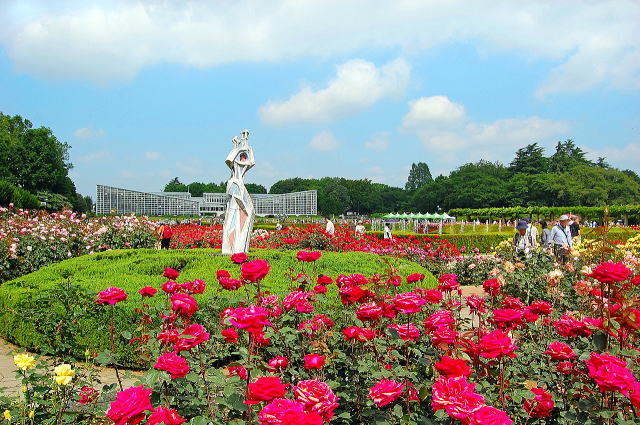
x=311 y=328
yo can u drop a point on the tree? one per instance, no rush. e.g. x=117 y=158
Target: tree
x=175 y=185
x=418 y=176
x=255 y=188
x=567 y=155
x=602 y=163
x=530 y=160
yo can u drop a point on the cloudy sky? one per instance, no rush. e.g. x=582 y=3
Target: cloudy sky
x=147 y=90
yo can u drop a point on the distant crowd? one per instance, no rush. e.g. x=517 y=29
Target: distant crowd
x=555 y=239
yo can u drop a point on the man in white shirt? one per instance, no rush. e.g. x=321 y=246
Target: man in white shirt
x=330 y=229
x=561 y=239
x=387 y=231
x=360 y=229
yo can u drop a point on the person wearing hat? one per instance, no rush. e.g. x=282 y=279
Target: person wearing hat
x=522 y=243
x=561 y=239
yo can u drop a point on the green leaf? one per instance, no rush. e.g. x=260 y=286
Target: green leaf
x=397 y=411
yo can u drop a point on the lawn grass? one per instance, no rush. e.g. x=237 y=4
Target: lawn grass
x=132 y=269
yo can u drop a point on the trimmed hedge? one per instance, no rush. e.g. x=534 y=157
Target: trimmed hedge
x=20 y=198
x=134 y=268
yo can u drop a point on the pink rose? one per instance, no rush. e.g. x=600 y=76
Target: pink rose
x=191 y=336
x=496 y=344
x=166 y=416
x=265 y=388
x=230 y=335
x=541 y=405
x=170 y=273
x=456 y=396
x=316 y=396
x=610 y=372
x=308 y=256
x=408 y=303
x=239 y=258
x=282 y=411
x=314 y=361
x=278 y=363
x=416 y=277
x=560 y=351
x=148 y=291
x=453 y=367
x=369 y=311
x=610 y=272
x=407 y=332
x=488 y=415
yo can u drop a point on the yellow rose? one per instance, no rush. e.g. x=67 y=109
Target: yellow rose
x=32 y=413
x=7 y=415
x=24 y=361
x=64 y=374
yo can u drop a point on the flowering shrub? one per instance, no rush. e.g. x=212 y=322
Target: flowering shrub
x=32 y=239
x=387 y=356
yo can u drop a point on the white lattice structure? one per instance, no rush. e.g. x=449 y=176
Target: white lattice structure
x=125 y=201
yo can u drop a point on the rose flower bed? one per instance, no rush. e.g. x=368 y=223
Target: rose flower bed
x=395 y=353
x=32 y=239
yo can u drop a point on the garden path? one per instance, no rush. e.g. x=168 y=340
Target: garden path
x=10 y=385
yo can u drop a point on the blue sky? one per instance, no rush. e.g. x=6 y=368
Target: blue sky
x=145 y=91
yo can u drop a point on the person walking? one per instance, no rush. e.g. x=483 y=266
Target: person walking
x=561 y=239
x=330 y=229
x=522 y=241
x=545 y=239
x=387 y=231
x=166 y=233
x=574 y=226
x=360 y=229
x=532 y=232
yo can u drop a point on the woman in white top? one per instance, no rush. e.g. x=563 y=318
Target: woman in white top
x=330 y=229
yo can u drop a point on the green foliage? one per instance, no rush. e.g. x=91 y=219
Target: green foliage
x=418 y=176
x=20 y=198
x=133 y=269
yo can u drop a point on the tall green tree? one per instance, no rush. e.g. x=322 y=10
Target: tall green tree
x=566 y=156
x=530 y=160
x=175 y=185
x=419 y=176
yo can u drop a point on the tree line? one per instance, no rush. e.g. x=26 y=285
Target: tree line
x=33 y=160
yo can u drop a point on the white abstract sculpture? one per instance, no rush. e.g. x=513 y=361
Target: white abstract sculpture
x=238 y=221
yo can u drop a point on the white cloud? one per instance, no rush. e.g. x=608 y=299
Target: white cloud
x=624 y=157
x=101 y=156
x=153 y=156
x=88 y=133
x=433 y=110
x=379 y=142
x=357 y=85
x=324 y=141
x=525 y=130
x=590 y=42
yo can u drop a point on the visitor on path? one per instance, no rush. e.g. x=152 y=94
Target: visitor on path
x=574 y=226
x=545 y=239
x=532 y=231
x=330 y=229
x=360 y=229
x=522 y=241
x=561 y=239
x=387 y=231
x=166 y=233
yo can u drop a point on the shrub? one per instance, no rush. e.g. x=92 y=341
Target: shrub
x=133 y=269
x=20 y=198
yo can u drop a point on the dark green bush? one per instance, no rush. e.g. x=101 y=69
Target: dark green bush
x=134 y=268
x=19 y=197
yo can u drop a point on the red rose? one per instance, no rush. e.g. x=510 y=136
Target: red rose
x=229 y=284
x=407 y=332
x=87 y=395
x=488 y=415
x=191 y=336
x=320 y=289
x=496 y=344
x=385 y=392
x=183 y=304
x=278 y=363
x=314 y=361
x=266 y=388
x=282 y=411
x=111 y=296
x=444 y=335
x=541 y=405
x=148 y=291
x=130 y=406
x=476 y=303
x=610 y=272
x=170 y=273
x=491 y=286
x=513 y=303
x=568 y=326
x=255 y=270
x=222 y=273
x=507 y=318
x=610 y=372
x=170 y=286
x=324 y=280
x=560 y=351
x=353 y=294
x=316 y=397
x=308 y=256
x=448 y=282
x=230 y=335
x=369 y=311
x=416 y=277
x=253 y=318
x=456 y=396
x=634 y=395
x=439 y=319
x=453 y=367
x=198 y=286
x=540 y=307
x=239 y=371
x=239 y=258
x=432 y=295
x=166 y=416
x=174 y=364
x=409 y=302
x=360 y=334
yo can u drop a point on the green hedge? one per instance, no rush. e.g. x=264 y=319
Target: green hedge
x=19 y=197
x=597 y=213
x=133 y=269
